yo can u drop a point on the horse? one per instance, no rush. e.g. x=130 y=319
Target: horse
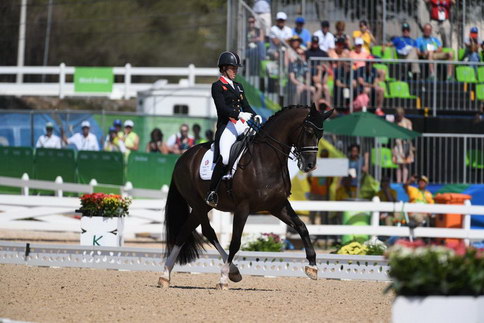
x=261 y=183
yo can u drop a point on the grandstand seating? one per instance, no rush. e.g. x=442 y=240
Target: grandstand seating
x=475 y=158
x=400 y=90
x=385 y=158
x=480 y=92
x=465 y=74
x=480 y=74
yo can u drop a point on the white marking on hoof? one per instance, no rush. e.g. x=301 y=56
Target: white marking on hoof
x=222 y=286
x=311 y=272
x=163 y=282
x=234 y=274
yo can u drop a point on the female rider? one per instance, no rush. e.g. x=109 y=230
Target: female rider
x=233 y=112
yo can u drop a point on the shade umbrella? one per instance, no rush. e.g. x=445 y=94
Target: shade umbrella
x=366 y=124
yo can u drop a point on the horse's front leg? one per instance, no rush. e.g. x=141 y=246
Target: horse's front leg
x=240 y=217
x=287 y=215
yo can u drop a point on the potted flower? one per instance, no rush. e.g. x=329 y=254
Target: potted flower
x=102 y=220
x=436 y=284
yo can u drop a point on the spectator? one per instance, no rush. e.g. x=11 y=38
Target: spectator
x=357 y=164
x=279 y=33
x=302 y=32
x=131 y=139
x=471 y=53
x=196 y=129
x=319 y=72
x=326 y=39
x=359 y=53
x=368 y=81
x=84 y=140
x=418 y=194
x=156 y=144
x=208 y=136
x=403 y=149
x=118 y=125
x=342 y=84
x=346 y=190
x=340 y=34
x=114 y=143
x=439 y=19
x=49 y=140
x=298 y=74
x=180 y=142
x=365 y=34
x=294 y=54
x=429 y=47
x=263 y=10
x=255 y=43
x=339 y=52
x=406 y=47
x=319 y=190
x=387 y=194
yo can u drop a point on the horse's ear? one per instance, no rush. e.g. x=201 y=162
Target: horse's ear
x=313 y=108
x=327 y=114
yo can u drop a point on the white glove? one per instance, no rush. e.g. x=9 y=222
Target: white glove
x=245 y=116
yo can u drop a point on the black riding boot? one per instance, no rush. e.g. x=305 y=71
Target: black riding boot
x=218 y=173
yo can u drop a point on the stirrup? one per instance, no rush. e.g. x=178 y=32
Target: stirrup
x=212 y=199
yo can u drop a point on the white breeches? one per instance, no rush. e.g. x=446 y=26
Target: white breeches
x=229 y=135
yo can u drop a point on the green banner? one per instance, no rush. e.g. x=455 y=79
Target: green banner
x=93 y=79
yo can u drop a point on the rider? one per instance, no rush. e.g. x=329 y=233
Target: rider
x=233 y=112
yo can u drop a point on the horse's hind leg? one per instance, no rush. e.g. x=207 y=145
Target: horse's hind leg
x=209 y=233
x=288 y=216
x=190 y=224
x=240 y=217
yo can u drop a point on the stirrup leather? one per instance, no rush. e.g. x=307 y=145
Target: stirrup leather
x=212 y=199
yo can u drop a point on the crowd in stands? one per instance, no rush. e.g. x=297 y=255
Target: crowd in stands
x=122 y=138
x=329 y=82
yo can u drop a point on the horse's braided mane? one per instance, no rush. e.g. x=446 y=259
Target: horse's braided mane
x=278 y=113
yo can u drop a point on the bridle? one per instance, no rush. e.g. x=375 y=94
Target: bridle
x=298 y=151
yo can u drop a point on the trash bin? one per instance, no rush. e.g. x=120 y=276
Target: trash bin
x=355 y=218
x=450 y=220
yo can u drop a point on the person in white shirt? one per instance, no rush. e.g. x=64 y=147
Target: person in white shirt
x=326 y=39
x=279 y=32
x=84 y=140
x=49 y=140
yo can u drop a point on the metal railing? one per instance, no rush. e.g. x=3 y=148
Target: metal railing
x=127 y=88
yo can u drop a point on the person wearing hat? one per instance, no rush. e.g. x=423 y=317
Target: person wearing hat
x=326 y=39
x=114 y=143
x=471 y=53
x=418 y=194
x=340 y=51
x=302 y=32
x=359 y=53
x=319 y=71
x=296 y=52
x=131 y=139
x=279 y=34
x=118 y=125
x=365 y=34
x=340 y=33
x=233 y=114
x=84 y=140
x=262 y=9
x=406 y=47
x=49 y=140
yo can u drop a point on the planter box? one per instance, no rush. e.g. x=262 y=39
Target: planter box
x=440 y=309
x=101 y=231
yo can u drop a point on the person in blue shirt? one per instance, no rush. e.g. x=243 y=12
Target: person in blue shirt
x=406 y=47
x=302 y=32
x=429 y=47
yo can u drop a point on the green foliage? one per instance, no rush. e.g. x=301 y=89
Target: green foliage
x=368 y=248
x=266 y=242
x=436 y=270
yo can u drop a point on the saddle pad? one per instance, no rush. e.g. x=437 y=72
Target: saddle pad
x=207 y=166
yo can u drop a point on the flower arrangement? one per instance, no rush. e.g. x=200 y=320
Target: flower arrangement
x=368 y=248
x=265 y=242
x=106 y=205
x=419 y=270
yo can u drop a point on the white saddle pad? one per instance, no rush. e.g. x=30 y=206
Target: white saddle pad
x=207 y=166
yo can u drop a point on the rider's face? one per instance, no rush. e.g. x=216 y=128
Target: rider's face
x=231 y=72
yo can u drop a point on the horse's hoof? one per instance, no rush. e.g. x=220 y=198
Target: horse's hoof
x=163 y=282
x=311 y=272
x=222 y=286
x=234 y=274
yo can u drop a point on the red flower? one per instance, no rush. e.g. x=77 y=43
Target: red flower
x=409 y=244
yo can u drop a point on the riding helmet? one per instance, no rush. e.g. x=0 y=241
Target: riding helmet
x=229 y=58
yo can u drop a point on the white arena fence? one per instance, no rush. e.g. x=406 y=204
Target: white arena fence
x=126 y=89
x=46 y=213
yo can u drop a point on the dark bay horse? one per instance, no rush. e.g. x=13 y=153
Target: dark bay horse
x=261 y=183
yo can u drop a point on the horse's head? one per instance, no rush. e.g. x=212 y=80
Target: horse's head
x=306 y=146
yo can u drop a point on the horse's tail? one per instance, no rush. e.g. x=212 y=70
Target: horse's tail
x=176 y=214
